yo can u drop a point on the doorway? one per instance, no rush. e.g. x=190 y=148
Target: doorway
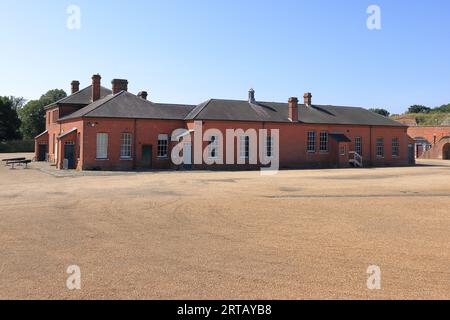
x=69 y=154
x=42 y=152
x=446 y=152
x=147 y=156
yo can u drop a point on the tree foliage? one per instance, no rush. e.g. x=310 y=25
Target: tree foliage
x=9 y=121
x=32 y=114
x=417 y=108
x=383 y=112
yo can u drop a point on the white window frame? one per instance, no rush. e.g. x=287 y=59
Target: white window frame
x=125 y=145
x=268 y=147
x=395 y=147
x=163 y=145
x=358 y=145
x=213 y=146
x=323 y=142
x=244 y=147
x=380 y=147
x=311 y=142
x=102 y=146
x=343 y=150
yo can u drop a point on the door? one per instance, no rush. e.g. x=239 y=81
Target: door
x=410 y=154
x=446 y=152
x=42 y=152
x=69 y=154
x=187 y=154
x=147 y=156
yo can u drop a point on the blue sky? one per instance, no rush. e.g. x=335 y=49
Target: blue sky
x=190 y=51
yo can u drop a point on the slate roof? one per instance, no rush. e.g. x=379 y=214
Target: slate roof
x=127 y=105
x=81 y=97
x=239 y=110
x=340 y=137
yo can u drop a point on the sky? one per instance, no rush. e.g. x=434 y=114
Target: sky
x=193 y=50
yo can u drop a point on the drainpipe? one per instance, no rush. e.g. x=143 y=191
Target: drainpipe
x=370 y=135
x=134 y=145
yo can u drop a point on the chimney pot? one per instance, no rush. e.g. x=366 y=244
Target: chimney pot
x=143 y=95
x=119 y=85
x=293 y=109
x=308 y=99
x=75 y=86
x=96 y=83
x=251 y=96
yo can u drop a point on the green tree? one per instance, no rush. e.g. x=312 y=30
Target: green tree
x=445 y=108
x=32 y=114
x=418 y=109
x=9 y=120
x=383 y=112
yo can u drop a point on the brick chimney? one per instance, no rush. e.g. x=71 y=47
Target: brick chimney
x=143 y=95
x=119 y=85
x=251 y=96
x=308 y=98
x=96 y=83
x=293 y=109
x=75 y=86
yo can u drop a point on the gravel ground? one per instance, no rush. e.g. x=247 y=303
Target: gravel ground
x=307 y=234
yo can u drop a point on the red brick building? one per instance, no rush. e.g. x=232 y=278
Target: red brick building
x=98 y=128
x=431 y=142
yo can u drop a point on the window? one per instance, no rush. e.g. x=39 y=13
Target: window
x=163 y=146
x=380 y=147
x=269 y=147
x=213 y=147
x=342 y=150
x=395 y=147
x=102 y=146
x=323 y=141
x=55 y=116
x=244 y=147
x=358 y=145
x=311 y=141
x=125 y=145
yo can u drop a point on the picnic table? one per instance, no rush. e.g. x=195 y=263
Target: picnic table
x=17 y=161
x=8 y=161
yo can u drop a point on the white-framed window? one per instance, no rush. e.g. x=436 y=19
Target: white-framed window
x=102 y=146
x=213 y=147
x=269 y=146
x=395 y=147
x=125 y=145
x=380 y=147
x=342 y=150
x=311 y=144
x=244 y=147
x=358 y=145
x=323 y=141
x=163 y=146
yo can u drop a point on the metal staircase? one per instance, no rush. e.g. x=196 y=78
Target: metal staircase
x=356 y=160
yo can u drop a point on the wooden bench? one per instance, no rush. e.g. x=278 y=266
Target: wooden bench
x=8 y=161
x=19 y=162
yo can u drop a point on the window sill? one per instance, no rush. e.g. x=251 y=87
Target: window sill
x=126 y=159
x=101 y=159
x=162 y=158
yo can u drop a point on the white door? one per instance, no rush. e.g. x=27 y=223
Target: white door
x=187 y=153
x=56 y=152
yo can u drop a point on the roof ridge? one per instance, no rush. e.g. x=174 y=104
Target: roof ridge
x=195 y=114
x=101 y=104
